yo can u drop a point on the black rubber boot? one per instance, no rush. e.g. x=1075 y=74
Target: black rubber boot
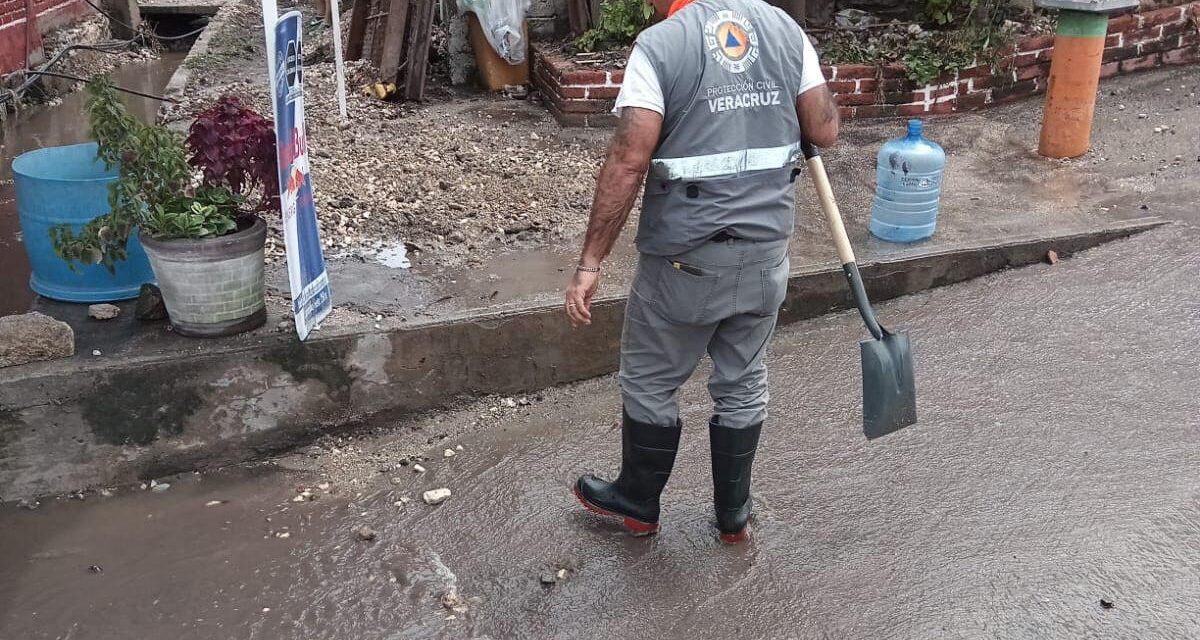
x=647 y=456
x=732 y=456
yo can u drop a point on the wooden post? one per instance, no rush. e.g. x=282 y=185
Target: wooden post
x=358 y=29
x=393 y=40
x=419 y=36
x=125 y=11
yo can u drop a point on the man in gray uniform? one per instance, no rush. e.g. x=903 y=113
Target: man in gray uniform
x=715 y=101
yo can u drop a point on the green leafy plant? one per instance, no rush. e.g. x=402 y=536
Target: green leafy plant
x=156 y=189
x=619 y=24
x=941 y=11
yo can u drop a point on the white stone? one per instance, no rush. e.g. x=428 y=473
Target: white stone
x=448 y=453
x=436 y=496
x=418 y=468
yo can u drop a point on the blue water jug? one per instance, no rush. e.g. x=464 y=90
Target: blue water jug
x=908 y=187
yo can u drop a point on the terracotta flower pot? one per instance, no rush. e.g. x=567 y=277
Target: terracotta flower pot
x=214 y=286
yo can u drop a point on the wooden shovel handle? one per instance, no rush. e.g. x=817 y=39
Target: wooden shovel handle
x=845 y=252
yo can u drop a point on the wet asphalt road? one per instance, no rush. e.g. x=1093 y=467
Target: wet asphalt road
x=1055 y=466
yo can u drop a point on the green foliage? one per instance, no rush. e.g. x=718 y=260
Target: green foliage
x=941 y=11
x=620 y=23
x=974 y=34
x=153 y=190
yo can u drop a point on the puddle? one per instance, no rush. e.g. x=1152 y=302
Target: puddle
x=394 y=257
x=53 y=126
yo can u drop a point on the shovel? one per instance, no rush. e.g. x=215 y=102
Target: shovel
x=889 y=393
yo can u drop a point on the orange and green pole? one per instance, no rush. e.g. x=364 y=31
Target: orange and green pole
x=1071 y=88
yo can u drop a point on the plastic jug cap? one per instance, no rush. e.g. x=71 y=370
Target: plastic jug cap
x=914 y=128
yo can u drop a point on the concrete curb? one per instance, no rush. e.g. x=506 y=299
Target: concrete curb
x=63 y=429
x=179 y=80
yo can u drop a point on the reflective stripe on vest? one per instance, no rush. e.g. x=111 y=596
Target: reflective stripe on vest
x=725 y=164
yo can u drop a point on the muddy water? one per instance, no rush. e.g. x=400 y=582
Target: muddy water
x=53 y=126
x=1053 y=468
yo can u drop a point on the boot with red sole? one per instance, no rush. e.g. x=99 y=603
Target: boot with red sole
x=647 y=457
x=732 y=457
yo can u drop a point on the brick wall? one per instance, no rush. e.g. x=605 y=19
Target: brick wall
x=1169 y=36
x=15 y=24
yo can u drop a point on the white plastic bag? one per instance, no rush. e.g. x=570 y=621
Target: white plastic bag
x=501 y=21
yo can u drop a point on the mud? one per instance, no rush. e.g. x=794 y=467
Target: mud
x=51 y=126
x=1052 y=469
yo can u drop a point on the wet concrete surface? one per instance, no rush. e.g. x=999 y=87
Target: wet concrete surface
x=63 y=124
x=1053 y=469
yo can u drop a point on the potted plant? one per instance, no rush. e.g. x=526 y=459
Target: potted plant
x=204 y=241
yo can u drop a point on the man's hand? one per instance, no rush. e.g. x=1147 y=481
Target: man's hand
x=580 y=290
x=616 y=190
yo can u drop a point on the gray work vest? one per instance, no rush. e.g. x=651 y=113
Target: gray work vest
x=729 y=70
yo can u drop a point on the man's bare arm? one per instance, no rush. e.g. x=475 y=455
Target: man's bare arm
x=818 y=115
x=625 y=165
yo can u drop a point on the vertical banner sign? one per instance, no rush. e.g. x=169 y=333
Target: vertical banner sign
x=311 y=298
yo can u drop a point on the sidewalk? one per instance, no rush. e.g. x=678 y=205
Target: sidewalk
x=496 y=328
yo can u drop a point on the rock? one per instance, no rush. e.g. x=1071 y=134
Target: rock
x=451 y=600
x=33 y=337
x=161 y=487
x=213 y=503
x=96 y=352
x=29 y=505
x=1052 y=256
x=448 y=453
x=150 y=306
x=364 y=533
x=418 y=468
x=435 y=496
x=548 y=578
x=562 y=574
x=459 y=447
x=95 y=568
x=1107 y=604
x=103 y=311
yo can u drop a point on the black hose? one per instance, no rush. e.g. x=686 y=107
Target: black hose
x=79 y=79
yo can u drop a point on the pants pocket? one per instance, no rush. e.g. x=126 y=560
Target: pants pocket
x=684 y=292
x=774 y=287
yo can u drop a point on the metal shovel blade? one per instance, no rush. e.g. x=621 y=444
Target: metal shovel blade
x=889 y=392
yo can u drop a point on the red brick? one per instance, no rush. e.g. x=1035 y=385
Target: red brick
x=1162 y=16
x=1137 y=64
x=976 y=72
x=893 y=70
x=1026 y=59
x=1187 y=39
x=943 y=107
x=1114 y=40
x=584 y=77
x=1014 y=91
x=587 y=106
x=1120 y=53
x=1034 y=43
x=875 y=111
x=1036 y=71
x=911 y=110
x=896 y=84
x=943 y=92
x=867 y=85
x=843 y=86
x=827 y=72
x=572 y=92
x=972 y=101
x=1046 y=55
x=985 y=82
x=1171 y=30
x=1109 y=70
x=850 y=71
x=1186 y=55
x=854 y=99
x=1143 y=35
x=846 y=113
x=1124 y=23
x=1154 y=46
x=618 y=77
x=903 y=97
x=603 y=93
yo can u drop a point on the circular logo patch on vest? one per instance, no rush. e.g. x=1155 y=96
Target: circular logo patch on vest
x=731 y=41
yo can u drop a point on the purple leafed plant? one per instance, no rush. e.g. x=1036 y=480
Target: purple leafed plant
x=234 y=147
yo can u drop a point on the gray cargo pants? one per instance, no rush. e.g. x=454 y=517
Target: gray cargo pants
x=721 y=297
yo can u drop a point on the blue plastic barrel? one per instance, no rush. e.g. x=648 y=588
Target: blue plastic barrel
x=69 y=185
x=908 y=187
